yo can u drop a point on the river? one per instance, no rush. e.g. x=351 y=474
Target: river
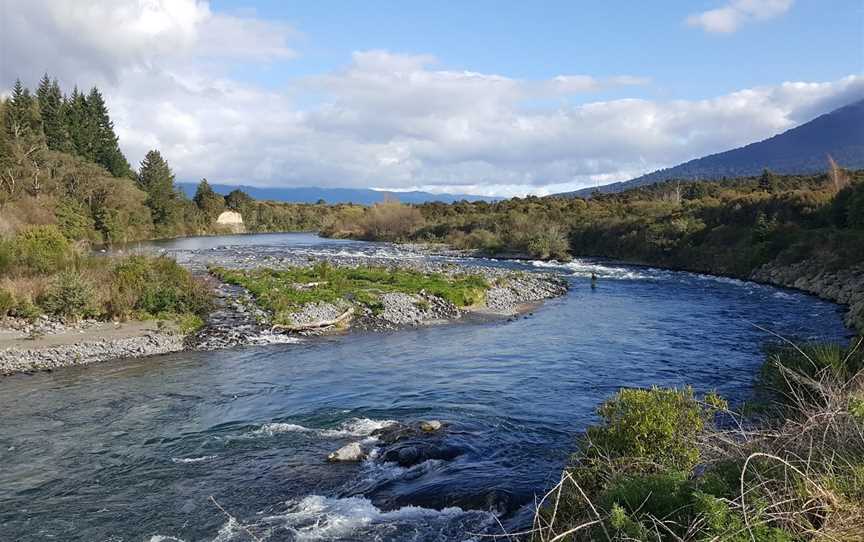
x=132 y=450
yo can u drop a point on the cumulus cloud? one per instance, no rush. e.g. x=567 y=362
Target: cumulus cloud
x=384 y=120
x=730 y=17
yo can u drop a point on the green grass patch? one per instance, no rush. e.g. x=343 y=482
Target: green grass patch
x=283 y=292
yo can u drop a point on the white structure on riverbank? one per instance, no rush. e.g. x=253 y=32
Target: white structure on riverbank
x=231 y=221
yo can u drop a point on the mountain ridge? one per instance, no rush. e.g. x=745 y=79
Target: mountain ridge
x=802 y=149
x=312 y=194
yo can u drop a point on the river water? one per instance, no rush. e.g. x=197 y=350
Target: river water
x=132 y=450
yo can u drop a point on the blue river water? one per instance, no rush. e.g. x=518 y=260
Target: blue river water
x=133 y=450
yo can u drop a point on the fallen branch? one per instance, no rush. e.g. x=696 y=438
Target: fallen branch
x=293 y=328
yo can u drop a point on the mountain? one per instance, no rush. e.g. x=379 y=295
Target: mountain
x=803 y=149
x=310 y=194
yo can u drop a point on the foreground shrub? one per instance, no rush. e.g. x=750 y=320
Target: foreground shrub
x=41 y=249
x=7 y=302
x=657 y=469
x=656 y=426
x=147 y=287
x=70 y=296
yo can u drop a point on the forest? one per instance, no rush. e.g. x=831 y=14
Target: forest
x=61 y=164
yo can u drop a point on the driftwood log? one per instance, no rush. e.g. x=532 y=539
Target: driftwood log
x=314 y=325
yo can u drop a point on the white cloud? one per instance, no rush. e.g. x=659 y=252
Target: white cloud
x=730 y=17
x=385 y=120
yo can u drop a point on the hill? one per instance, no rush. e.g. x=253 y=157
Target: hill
x=803 y=149
x=363 y=196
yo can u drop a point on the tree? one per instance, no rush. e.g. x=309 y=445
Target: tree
x=53 y=112
x=22 y=146
x=105 y=147
x=156 y=179
x=768 y=181
x=237 y=199
x=209 y=202
x=81 y=126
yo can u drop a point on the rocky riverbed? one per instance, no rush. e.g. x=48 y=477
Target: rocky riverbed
x=236 y=320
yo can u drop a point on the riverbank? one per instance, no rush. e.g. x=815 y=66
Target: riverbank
x=237 y=319
x=54 y=345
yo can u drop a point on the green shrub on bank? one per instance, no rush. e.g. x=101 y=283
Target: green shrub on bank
x=36 y=250
x=7 y=302
x=70 y=296
x=147 y=286
x=656 y=426
x=658 y=469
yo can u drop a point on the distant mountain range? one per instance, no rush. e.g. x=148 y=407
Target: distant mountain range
x=803 y=149
x=362 y=196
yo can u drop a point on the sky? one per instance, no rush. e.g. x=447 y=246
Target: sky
x=482 y=97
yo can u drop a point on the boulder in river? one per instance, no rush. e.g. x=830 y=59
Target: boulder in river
x=430 y=426
x=349 y=452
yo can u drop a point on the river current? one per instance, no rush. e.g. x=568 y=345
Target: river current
x=133 y=450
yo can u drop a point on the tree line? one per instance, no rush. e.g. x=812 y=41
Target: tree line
x=61 y=163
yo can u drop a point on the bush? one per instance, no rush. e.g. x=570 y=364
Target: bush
x=41 y=249
x=70 y=296
x=155 y=286
x=656 y=426
x=7 y=302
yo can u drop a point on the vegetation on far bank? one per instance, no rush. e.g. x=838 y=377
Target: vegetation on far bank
x=42 y=272
x=284 y=292
x=729 y=227
x=61 y=164
x=666 y=465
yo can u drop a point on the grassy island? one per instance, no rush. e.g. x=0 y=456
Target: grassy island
x=284 y=292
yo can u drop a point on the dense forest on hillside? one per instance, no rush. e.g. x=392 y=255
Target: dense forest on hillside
x=61 y=164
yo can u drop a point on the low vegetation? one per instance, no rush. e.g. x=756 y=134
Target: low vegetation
x=42 y=272
x=666 y=465
x=727 y=227
x=284 y=292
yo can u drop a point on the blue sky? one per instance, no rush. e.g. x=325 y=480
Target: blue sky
x=816 y=40
x=493 y=98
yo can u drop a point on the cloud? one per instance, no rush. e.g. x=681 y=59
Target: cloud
x=384 y=120
x=99 y=39
x=729 y=18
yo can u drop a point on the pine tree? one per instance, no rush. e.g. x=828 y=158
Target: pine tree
x=155 y=178
x=81 y=127
x=53 y=110
x=209 y=202
x=106 y=149
x=22 y=120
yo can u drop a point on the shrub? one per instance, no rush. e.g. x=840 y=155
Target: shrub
x=656 y=426
x=155 y=286
x=41 y=249
x=7 y=302
x=69 y=296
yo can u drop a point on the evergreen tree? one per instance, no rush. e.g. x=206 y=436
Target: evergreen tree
x=52 y=109
x=209 y=202
x=236 y=199
x=22 y=120
x=81 y=127
x=768 y=181
x=106 y=150
x=156 y=179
